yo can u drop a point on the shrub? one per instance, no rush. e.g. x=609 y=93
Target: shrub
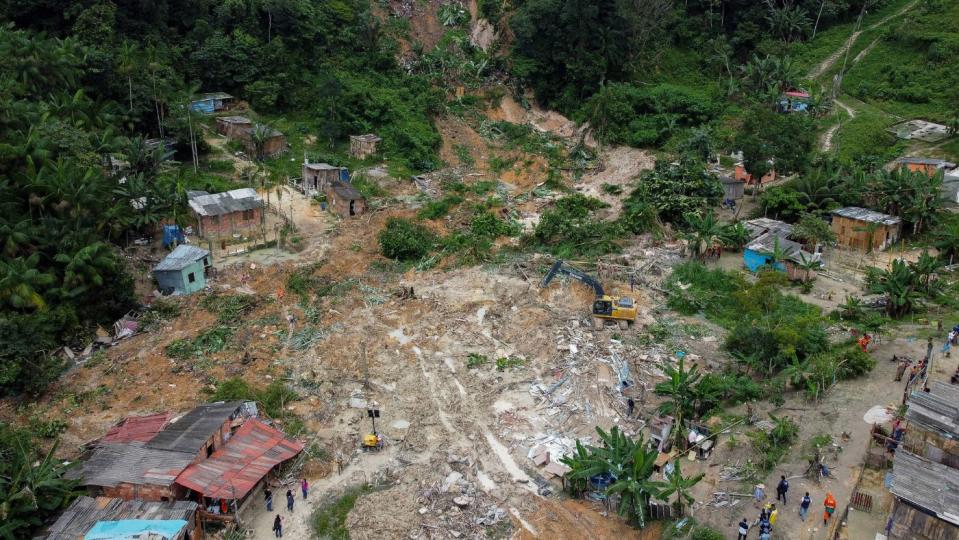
x=273 y=398
x=570 y=229
x=403 y=240
x=705 y=533
x=438 y=209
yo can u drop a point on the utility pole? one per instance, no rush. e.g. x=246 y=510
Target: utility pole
x=366 y=368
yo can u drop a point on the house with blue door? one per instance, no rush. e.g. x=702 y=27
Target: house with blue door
x=764 y=251
x=210 y=103
x=183 y=271
x=318 y=177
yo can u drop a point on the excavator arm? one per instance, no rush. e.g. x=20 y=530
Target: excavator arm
x=560 y=268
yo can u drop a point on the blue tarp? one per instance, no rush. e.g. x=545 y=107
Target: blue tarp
x=130 y=528
x=171 y=234
x=344 y=174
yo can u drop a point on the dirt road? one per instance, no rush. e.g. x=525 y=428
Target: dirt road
x=827 y=137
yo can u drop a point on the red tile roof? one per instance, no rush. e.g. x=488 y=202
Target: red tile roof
x=233 y=470
x=137 y=428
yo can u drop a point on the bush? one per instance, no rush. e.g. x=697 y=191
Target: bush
x=569 y=229
x=705 y=533
x=273 y=398
x=438 y=209
x=403 y=240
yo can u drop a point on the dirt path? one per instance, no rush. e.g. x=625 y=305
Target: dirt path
x=827 y=137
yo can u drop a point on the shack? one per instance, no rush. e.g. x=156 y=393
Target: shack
x=183 y=271
x=233 y=127
x=932 y=424
x=927 y=166
x=212 y=102
x=344 y=199
x=794 y=101
x=733 y=188
x=765 y=249
x=926 y=499
x=274 y=142
x=106 y=517
x=319 y=176
x=760 y=226
x=865 y=230
x=364 y=146
x=148 y=470
x=226 y=213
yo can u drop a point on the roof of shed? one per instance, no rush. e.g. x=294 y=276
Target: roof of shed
x=926 y=161
x=864 y=214
x=726 y=179
x=137 y=428
x=234 y=119
x=188 y=433
x=760 y=226
x=936 y=410
x=233 y=470
x=766 y=243
x=369 y=137
x=132 y=463
x=321 y=166
x=927 y=484
x=214 y=95
x=218 y=204
x=345 y=190
x=85 y=512
x=182 y=256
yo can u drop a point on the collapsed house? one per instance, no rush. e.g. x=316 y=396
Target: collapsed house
x=226 y=213
x=216 y=455
x=364 y=146
x=865 y=230
x=925 y=470
x=183 y=271
x=241 y=128
x=105 y=517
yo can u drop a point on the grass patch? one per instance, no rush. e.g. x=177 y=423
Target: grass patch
x=440 y=208
x=866 y=135
x=475 y=360
x=229 y=308
x=329 y=520
x=211 y=340
x=272 y=398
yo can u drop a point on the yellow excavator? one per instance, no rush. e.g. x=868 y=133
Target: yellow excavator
x=621 y=309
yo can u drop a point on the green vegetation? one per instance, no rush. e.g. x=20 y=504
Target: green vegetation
x=404 y=240
x=773 y=445
x=475 y=360
x=329 y=520
x=272 y=399
x=570 y=228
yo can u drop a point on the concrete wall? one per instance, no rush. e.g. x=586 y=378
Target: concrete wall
x=225 y=225
x=848 y=234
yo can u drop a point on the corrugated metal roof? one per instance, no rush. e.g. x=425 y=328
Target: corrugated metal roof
x=132 y=463
x=189 y=432
x=181 y=257
x=218 y=204
x=233 y=470
x=369 y=137
x=137 y=428
x=321 y=167
x=234 y=120
x=927 y=484
x=936 y=410
x=80 y=517
x=926 y=161
x=760 y=226
x=345 y=190
x=864 y=214
x=766 y=243
x=214 y=95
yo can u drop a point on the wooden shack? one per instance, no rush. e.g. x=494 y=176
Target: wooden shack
x=926 y=504
x=226 y=213
x=865 y=230
x=233 y=127
x=364 y=146
x=318 y=176
x=933 y=424
x=344 y=199
x=733 y=188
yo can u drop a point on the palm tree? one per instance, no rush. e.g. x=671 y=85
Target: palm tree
x=21 y=283
x=679 y=388
x=735 y=236
x=705 y=233
x=32 y=492
x=852 y=308
x=946 y=240
x=925 y=267
x=676 y=483
x=808 y=265
x=258 y=138
x=127 y=64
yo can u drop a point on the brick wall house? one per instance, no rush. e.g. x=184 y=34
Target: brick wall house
x=344 y=199
x=223 y=214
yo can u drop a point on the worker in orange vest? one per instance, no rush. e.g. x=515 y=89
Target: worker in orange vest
x=830 y=505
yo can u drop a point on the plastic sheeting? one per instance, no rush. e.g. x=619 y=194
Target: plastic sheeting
x=134 y=528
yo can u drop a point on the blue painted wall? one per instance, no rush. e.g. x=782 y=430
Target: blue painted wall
x=178 y=280
x=754 y=260
x=205 y=106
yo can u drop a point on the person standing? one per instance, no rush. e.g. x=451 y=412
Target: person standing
x=289 y=500
x=268 y=495
x=759 y=493
x=278 y=526
x=901 y=368
x=630 y=406
x=765 y=530
x=829 y=506
x=773 y=514
x=782 y=488
x=804 y=506
x=305 y=486
x=743 y=529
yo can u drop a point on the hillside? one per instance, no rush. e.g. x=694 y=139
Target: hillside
x=507 y=135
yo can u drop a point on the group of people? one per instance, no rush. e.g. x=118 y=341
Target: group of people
x=769 y=513
x=290 y=499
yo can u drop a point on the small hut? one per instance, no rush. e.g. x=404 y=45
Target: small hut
x=344 y=199
x=233 y=127
x=183 y=271
x=864 y=229
x=212 y=102
x=318 y=176
x=364 y=146
x=733 y=188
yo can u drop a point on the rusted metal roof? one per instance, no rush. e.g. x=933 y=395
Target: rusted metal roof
x=233 y=470
x=137 y=428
